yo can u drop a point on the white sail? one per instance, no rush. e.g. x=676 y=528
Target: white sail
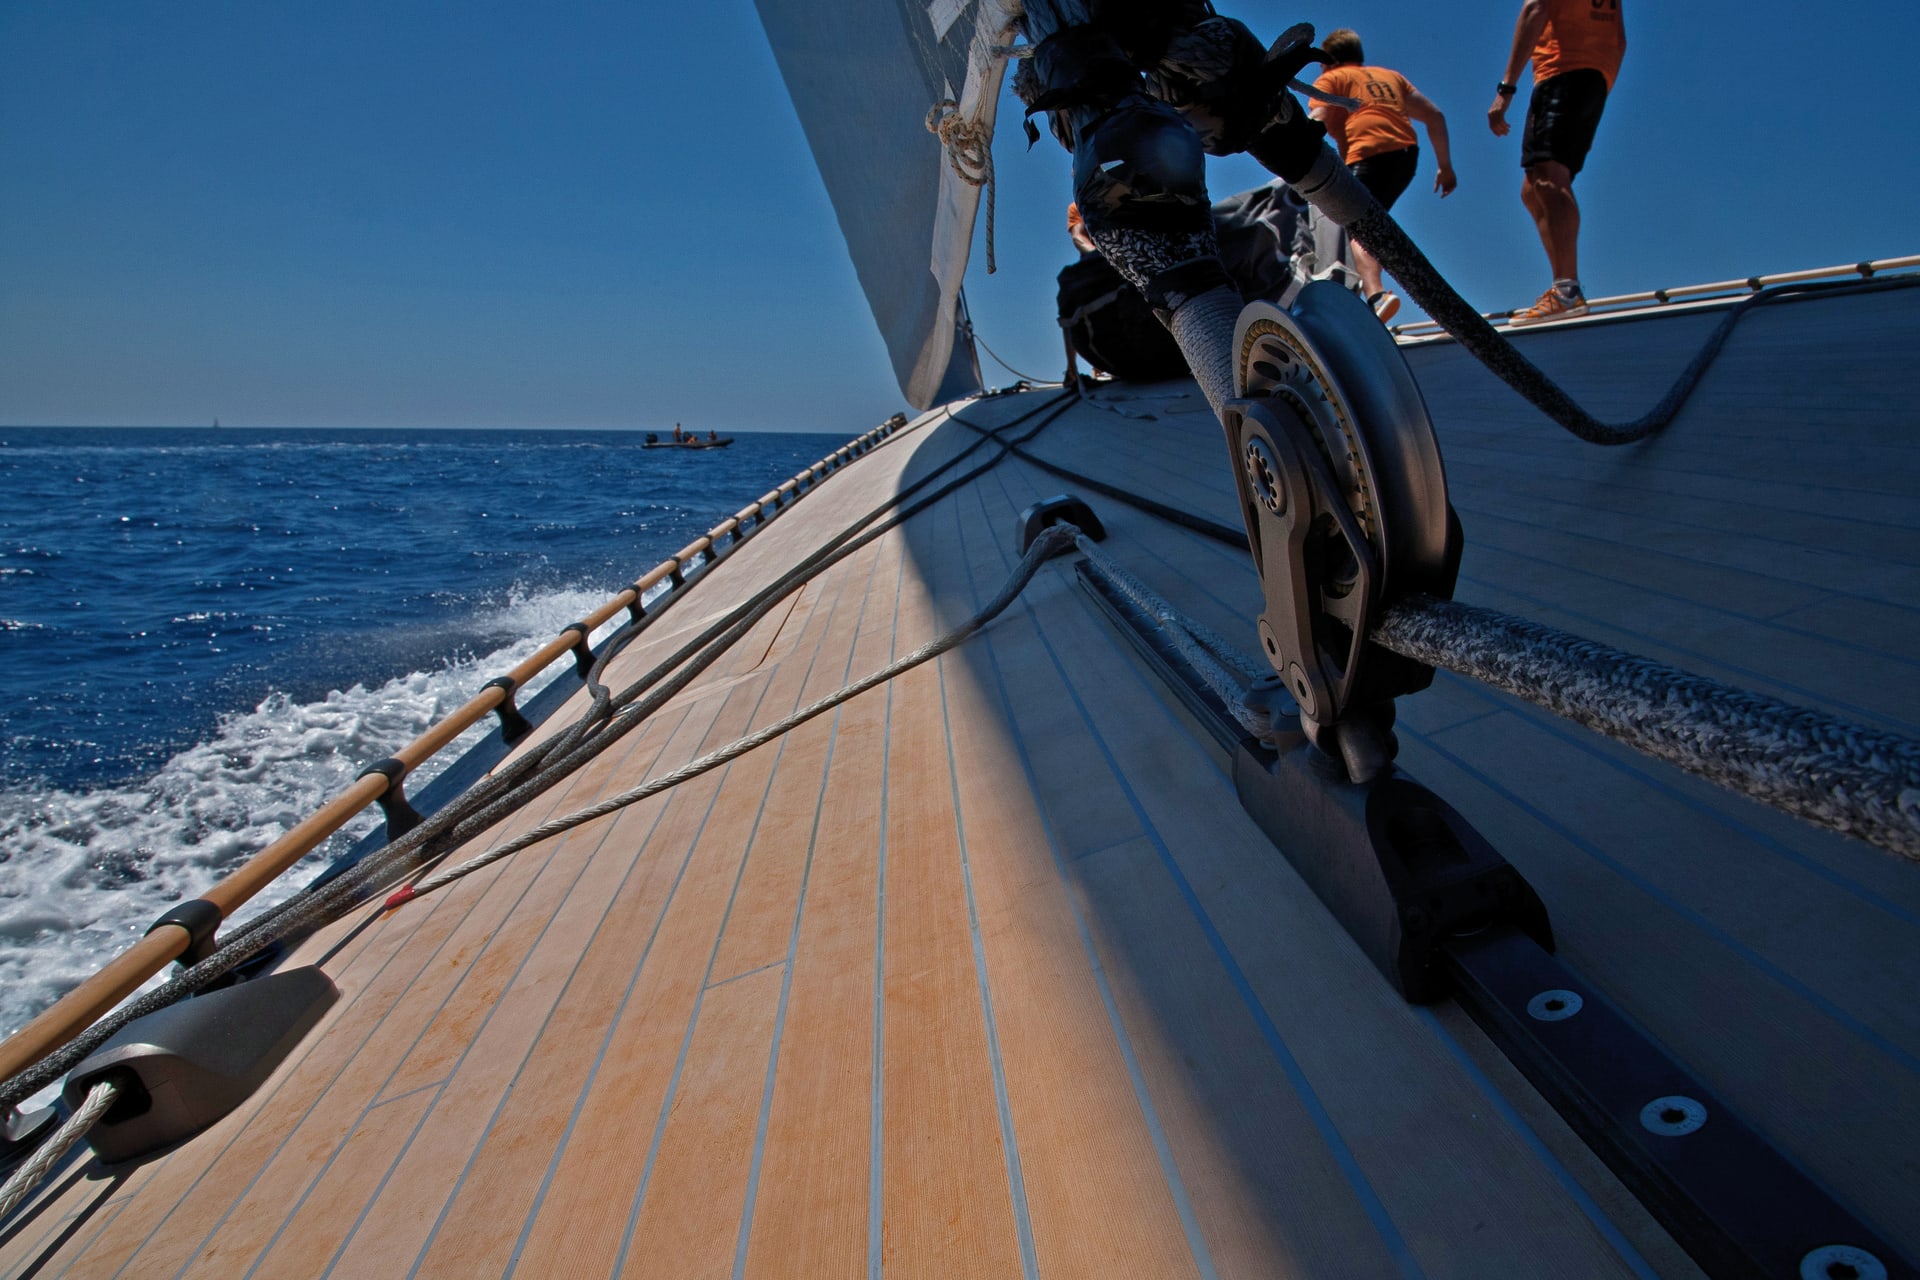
x=863 y=76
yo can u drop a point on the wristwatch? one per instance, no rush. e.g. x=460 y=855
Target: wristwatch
x=1506 y=90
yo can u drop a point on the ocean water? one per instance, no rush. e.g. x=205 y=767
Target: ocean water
x=206 y=633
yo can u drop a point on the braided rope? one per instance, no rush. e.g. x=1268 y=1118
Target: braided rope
x=968 y=141
x=1225 y=670
x=54 y=1149
x=1849 y=778
x=1853 y=779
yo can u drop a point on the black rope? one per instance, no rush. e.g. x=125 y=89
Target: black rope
x=1219 y=532
x=1403 y=259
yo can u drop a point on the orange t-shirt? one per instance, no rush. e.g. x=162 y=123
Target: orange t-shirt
x=1581 y=35
x=1380 y=123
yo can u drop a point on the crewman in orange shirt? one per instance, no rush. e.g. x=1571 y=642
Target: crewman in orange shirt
x=1376 y=139
x=1576 y=47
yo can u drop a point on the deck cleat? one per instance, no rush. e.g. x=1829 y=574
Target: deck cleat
x=1345 y=502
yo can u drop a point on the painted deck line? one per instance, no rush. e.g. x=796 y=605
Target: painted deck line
x=1236 y=566
x=1149 y=1113
x=748 y=973
x=453 y=1068
x=39 y=1212
x=537 y=880
x=507 y=1093
x=43 y=1202
x=553 y=1165
x=450 y=913
x=743 y=1236
x=811 y=1199
x=49 y=1246
x=876 y=1181
x=945 y=1202
x=673 y=1082
x=1149 y=483
x=1807 y=567
x=1760 y=964
x=1550 y=1162
x=518 y=1149
x=957 y=1214
x=1636 y=502
x=366 y=1207
x=1633 y=766
x=1770 y=1056
x=1009 y=1141
x=1696 y=660
x=765 y=1112
x=876 y=1148
x=613 y=1021
x=1761 y=496
x=1765 y=621
x=1679 y=452
x=1081 y=647
x=1161 y=442
x=1104 y=630
x=1806 y=561
x=1343 y=1155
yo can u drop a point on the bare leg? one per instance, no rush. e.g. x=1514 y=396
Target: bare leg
x=1369 y=268
x=1548 y=195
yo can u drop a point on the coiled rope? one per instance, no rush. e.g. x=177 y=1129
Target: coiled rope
x=52 y=1151
x=968 y=141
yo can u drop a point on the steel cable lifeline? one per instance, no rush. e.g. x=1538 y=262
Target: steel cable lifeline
x=521 y=779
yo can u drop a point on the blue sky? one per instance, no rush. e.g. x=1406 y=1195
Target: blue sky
x=344 y=213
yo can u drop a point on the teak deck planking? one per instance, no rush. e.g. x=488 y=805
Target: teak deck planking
x=985 y=973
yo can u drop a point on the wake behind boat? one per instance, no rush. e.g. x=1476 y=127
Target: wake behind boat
x=986 y=879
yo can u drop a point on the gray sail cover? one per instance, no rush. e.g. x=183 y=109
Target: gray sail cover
x=863 y=75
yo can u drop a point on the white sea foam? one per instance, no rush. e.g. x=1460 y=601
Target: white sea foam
x=82 y=874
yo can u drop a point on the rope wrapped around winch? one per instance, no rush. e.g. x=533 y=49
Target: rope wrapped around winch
x=1847 y=777
x=1861 y=781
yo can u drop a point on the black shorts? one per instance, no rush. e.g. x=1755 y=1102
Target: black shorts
x=1562 y=118
x=1387 y=174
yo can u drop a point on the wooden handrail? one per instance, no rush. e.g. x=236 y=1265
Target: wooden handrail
x=120 y=977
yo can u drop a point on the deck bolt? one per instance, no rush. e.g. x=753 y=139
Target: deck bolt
x=1554 y=1006
x=1674 y=1116
x=1841 y=1262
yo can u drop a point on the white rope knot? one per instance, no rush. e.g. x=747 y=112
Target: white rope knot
x=968 y=142
x=50 y=1152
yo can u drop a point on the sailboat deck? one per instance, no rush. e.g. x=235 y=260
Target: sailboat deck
x=986 y=973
